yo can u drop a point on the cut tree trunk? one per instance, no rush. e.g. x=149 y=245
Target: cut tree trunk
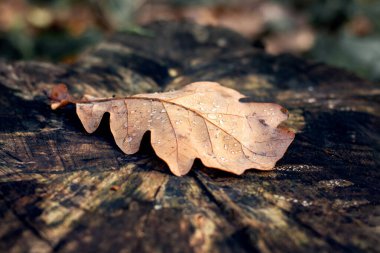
x=63 y=190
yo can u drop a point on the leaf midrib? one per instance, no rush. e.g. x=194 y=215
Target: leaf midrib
x=179 y=105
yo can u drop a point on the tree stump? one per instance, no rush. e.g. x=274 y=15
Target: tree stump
x=63 y=190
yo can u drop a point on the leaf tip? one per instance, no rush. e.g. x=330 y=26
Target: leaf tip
x=284 y=111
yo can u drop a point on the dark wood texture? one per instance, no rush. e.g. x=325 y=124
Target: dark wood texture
x=62 y=190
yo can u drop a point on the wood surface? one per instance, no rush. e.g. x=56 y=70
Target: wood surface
x=63 y=190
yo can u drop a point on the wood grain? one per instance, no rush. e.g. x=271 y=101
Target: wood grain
x=62 y=190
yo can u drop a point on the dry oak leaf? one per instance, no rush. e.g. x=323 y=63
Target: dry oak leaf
x=203 y=120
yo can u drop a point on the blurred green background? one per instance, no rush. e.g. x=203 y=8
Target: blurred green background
x=343 y=33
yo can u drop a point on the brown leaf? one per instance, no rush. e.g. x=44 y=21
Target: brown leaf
x=203 y=120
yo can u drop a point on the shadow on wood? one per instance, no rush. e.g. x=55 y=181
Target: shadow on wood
x=63 y=190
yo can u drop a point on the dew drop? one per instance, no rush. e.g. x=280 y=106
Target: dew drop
x=163 y=110
x=125 y=124
x=225 y=146
x=177 y=122
x=211 y=116
x=129 y=139
x=132 y=112
x=235 y=145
